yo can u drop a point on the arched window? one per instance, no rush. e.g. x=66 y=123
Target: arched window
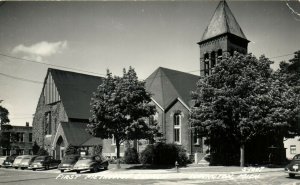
x=177 y=128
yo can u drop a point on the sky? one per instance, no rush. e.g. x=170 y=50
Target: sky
x=96 y=36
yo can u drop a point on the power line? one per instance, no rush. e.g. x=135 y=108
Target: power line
x=38 y=82
x=53 y=65
x=22 y=79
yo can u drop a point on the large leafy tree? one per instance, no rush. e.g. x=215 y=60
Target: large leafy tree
x=120 y=108
x=289 y=72
x=241 y=100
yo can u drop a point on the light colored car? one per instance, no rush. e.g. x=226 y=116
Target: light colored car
x=2 y=159
x=68 y=162
x=27 y=161
x=17 y=161
x=92 y=163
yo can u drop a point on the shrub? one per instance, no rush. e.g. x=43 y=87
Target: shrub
x=71 y=150
x=147 y=155
x=164 y=154
x=42 y=151
x=131 y=156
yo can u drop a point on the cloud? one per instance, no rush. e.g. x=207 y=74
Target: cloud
x=39 y=50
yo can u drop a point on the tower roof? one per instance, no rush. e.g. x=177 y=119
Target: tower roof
x=223 y=21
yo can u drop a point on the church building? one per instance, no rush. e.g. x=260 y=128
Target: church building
x=63 y=109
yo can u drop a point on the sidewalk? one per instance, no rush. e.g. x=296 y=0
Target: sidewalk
x=215 y=172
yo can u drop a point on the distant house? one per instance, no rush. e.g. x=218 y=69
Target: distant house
x=20 y=138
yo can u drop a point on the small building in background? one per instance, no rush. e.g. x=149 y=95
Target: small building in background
x=20 y=140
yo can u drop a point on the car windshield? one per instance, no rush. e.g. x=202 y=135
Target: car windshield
x=70 y=158
x=86 y=158
x=19 y=157
x=27 y=157
x=40 y=158
x=297 y=157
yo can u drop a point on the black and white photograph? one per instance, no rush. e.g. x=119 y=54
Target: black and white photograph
x=150 y=92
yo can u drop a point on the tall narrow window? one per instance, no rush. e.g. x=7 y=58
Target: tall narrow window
x=21 y=137
x=220 y=53
x=213 y=59
x=30 y=137
x=206 y=64
x=177 y=129
x=48 y=125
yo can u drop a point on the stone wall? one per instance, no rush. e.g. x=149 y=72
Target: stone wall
x=58 y=115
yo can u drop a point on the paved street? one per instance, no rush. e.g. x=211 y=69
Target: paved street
x=53 y=177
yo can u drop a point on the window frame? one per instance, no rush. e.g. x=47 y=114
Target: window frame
x=177 y=127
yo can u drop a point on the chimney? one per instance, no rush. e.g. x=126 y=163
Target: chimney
x=27 y=124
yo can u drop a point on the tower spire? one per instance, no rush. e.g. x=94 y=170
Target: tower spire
x=222 y=21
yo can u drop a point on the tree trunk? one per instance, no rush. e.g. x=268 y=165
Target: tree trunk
x=242 y=157
x=118 y=152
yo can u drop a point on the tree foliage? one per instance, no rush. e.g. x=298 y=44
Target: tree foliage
x=243 y=99
x=4 y=127
x=119 y=108
x=3 y=115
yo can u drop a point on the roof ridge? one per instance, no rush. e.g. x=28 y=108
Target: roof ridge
x=79 y=73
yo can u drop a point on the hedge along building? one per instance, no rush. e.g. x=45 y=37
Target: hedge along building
x=63 y=111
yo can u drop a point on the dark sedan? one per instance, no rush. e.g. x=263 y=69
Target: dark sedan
x=68 y=162
x=44 y=162
x=9 y=161
x=294 y=167
x=92 y=163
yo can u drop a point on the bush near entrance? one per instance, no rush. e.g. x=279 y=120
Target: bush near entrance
x=164 y=154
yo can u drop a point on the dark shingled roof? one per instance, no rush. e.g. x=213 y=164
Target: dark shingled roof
x=75 y=90
x=77 y=135
x=166 y=85
x=223 y=21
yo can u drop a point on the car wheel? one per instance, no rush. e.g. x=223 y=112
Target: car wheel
x=16 y=168
x=33 y=169
x=77 y=171
x=22 y=168
x=105 y=167
x=291 y=175
x=62 y=171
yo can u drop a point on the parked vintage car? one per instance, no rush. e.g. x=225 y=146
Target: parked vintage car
x=27 y=161
x=44 y=162
x=92 y=163
x=68 y=162
x=17 y=161
x=2 y=159
x=9 y=161
x=293 y=168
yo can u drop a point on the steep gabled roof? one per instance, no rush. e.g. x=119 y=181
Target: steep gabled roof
x=223 y=21
x=75 y=90
x=76 y=134
x=167 y=85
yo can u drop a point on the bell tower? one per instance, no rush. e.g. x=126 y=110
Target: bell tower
x=223 y=34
